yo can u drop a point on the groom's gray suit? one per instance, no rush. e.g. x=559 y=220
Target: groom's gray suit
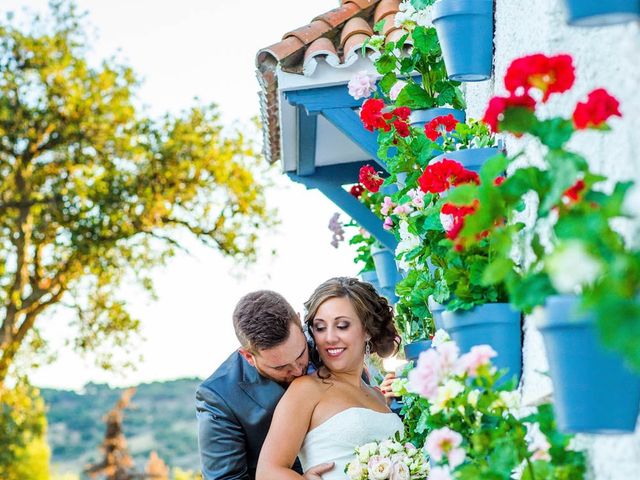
x=234 y=408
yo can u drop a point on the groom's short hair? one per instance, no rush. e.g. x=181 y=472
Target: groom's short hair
x=263 y=319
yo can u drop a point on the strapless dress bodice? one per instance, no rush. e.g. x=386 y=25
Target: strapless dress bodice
x=336 y=439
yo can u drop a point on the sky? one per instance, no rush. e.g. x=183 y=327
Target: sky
x=205 y=49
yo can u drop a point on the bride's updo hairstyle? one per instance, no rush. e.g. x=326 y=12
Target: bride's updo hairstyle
x=373 y=310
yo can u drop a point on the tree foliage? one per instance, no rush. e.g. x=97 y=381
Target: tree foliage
x=24 y=452
x=92 y=190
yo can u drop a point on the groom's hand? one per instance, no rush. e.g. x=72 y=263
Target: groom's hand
x=315 y=473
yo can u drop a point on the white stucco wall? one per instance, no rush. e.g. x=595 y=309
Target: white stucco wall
x=606 y=57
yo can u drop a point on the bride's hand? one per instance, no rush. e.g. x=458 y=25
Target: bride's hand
x=385 y=387
x=315 y=473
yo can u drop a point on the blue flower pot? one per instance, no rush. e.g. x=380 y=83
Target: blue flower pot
x=372 y=278
x=470 y=158
x=386 y=270
x=413 y=350
x=594 y=392
x=436 y=310
x=419 y=118
x=494 y=324
x=465 y=31
x=597 y=13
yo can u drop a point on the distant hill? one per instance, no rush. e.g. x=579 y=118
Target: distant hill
x=161 y=418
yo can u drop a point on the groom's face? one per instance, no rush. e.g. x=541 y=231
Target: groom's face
x=283 y=362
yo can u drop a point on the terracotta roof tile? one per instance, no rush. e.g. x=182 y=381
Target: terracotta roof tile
x=335 y=37
x=338 y=16
x=355 y=26
x=363 y=4
x=384 y=8
x=310 y=32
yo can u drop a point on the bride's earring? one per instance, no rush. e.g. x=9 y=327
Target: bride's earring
x=367 y=349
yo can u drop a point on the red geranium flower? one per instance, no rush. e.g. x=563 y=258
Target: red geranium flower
x=499 y=105
x=442 y=175
x=499 y=180
x=440 y=125
x=402 y=113
x=574 y=193
x=593 y=113
x=356 y=190
x=548 y=74
x=372 y=116
x=401 y=127
x=370 y=178
x=457 y=215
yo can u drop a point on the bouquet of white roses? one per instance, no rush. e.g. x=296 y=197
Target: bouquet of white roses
x=388 y=459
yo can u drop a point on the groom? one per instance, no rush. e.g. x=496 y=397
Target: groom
x=234 y=406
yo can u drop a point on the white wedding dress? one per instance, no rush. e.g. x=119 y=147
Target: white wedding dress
x=336 y=439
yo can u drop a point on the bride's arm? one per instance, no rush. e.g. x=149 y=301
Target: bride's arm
x=289 y=426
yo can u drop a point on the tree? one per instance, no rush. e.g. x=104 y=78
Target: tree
x=24 y=452
x=92 y=191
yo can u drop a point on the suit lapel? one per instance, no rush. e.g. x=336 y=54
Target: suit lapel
x=261 y=390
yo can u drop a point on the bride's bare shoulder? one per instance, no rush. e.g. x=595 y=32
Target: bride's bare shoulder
x=309 y=385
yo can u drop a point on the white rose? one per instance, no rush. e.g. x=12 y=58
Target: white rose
x=379 y=468
x=356 y=471
x=386 y=448
x=400 y=471
x=365 y=451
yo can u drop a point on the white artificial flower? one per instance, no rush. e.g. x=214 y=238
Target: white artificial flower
x=440 y=337
x=571 y=266
x=379 y=468
x=400 y=471
x=366 y=451
x=356 y=471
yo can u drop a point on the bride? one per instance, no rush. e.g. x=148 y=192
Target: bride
x=322 y=417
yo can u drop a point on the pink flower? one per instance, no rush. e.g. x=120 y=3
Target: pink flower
x=386 y=206
x=417 y=197
x=444 y=442
x=440 y=473
x=396 y=89
x=448 y=352
x=400 y=471
x=404 y=209
x=388 y=223
x=424 y=378
x=478 y=356
x=361 y=85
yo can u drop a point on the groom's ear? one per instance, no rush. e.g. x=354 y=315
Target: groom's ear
x=248 y=356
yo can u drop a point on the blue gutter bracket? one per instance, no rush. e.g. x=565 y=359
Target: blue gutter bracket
x=351 y=206
x=307 y=133
x=315 y=100
x=348 y=122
